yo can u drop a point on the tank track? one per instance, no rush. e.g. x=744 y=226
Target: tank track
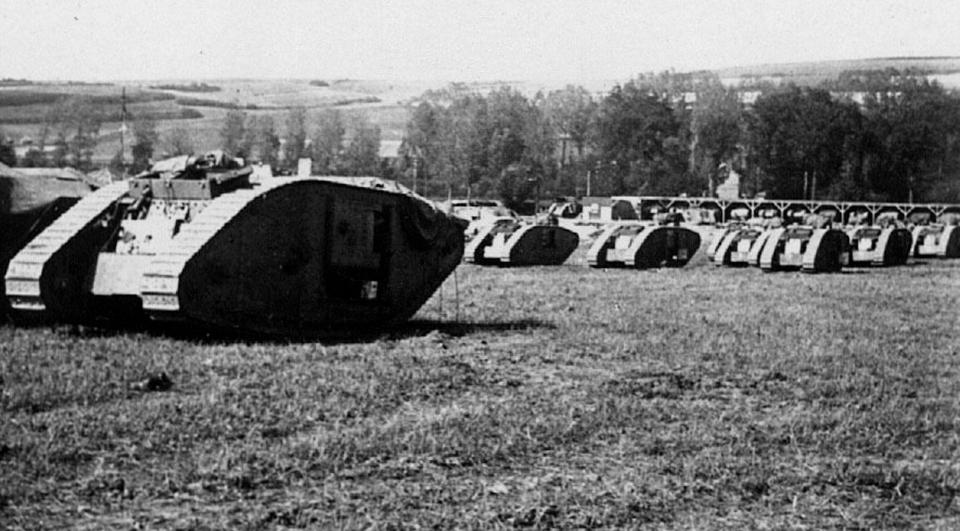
x=159 y=290
x=22 y=279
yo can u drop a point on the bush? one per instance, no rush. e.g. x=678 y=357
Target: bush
x=200 y=102
x=192 y=87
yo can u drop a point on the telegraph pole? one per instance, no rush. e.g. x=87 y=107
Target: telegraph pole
x=123 y=128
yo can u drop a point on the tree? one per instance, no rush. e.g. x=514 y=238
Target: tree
x=419 y=148
x=295 y=144
x=362 y=156
x=640 y=141
x=715 y=126
x=180 y=141
x=461 y=158
x=145 y=138
x=33 y=158
x=571 y=111
x=58 y=157
x=261 y=141
x=327 y=143
x=802 y=136
x=462 y=141
x=516 y=185
x=233 y=132
x=116 y=165
x=8 y=155
x=76 y=124
x=911 y=140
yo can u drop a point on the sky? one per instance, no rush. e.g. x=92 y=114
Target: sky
x=453 y=40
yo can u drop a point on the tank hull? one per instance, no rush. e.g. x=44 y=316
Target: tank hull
x=879 y=247
x=643 y=246
x=803 y=248
x=734 y=249
x=510 y=243
x=936 y=241
x=302 y=257
x=716 y=242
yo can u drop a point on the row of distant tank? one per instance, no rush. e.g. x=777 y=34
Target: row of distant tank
x=814 y=248
x=511 y=242
x=811 y=246
x=497 y=235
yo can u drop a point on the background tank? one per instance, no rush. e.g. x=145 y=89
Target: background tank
x=641 y=246
x=194 y=241
x=28 y=204
x=878 y=246
x=734 y=248
x=728 y=229
x=510 y=242
x=936 y=241
x=809 y=249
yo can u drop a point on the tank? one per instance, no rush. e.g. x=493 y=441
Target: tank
x=812 y=250
x=878 y=246
x=28 y=205
x=193 y=241
x=734 y=248
x=716 y=241
x=936 y=241
x=643 y=245
x=509 y=242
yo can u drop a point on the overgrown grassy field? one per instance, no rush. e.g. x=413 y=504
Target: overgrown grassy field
x=552 y=397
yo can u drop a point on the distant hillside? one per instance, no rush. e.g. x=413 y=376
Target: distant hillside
x=812 y=73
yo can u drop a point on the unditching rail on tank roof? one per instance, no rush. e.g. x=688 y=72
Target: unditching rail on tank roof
x=782 y=206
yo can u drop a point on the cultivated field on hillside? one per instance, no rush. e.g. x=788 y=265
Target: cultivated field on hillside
x=546 y=397
x=23 y=108
x=811 y=73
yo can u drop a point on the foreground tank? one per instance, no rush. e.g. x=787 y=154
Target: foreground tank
x=812 y=250
x=936 y=241
x=879 y=246
x=510 y=242
x=641 y=246
x=193 y=241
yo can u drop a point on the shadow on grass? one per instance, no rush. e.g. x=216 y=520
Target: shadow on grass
x=204 y=335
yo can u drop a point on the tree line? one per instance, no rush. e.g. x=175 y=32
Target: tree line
x=338 y=144
x=335 y=144
x=881 y=135
x=869 y=135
